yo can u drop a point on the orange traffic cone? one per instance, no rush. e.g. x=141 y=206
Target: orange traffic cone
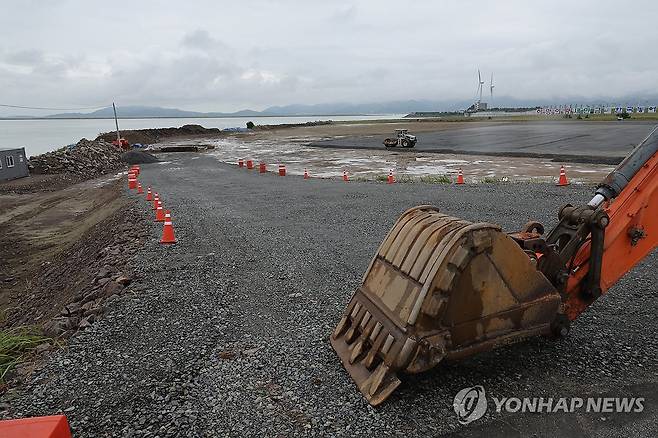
x=345 y=177
x=250 y=164
x=262 y=167
x=149 y=195
x=563 y=178
x=139 y=189
x=159 y=213
x=156 y=199
x=240 y=162
x=282 y=170
x=306 y=174
x=460 y=177
x=390 y=179
x=132 y=182
x=168 y=230
x=54 y=426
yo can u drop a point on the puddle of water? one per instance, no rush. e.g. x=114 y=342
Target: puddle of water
x=106 y=181
x=443 y=160
x=592 y=170
x=355 y=160
x=428 y=169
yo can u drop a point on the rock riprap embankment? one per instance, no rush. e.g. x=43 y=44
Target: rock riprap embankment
x=88 y=158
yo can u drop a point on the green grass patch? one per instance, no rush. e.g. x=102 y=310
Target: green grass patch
x=15 y=343
x=425 y=179
x=404 y=179
x=435 y=179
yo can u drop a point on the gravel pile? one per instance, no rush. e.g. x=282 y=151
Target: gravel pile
x=138 y=157
x=88 y=158
x=226 y=333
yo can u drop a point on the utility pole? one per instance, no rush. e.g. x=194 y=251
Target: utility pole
x=116 y=122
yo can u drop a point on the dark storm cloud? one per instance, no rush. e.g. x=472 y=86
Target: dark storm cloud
x=27 y=57
x=210 y=55
x=201 y=39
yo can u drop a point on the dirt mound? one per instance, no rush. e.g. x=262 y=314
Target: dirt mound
x=87 y=159
x=149 y=136
x=39 y=183
x=63 y=257
x=138 y=157
x=292 y=125
x=78 y=224
x=155 y=135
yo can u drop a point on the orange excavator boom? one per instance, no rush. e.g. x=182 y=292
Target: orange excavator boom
x=632 y=232
x=620 y=225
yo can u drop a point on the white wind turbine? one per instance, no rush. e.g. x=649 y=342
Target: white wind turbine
x=480 y=84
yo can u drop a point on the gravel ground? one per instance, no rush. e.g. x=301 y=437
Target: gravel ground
x=226 y=333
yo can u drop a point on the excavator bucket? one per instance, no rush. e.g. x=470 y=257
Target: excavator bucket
x=439 y=288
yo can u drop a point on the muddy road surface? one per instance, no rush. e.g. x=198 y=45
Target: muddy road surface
x=228 y=335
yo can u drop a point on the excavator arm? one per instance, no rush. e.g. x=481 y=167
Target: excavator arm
x=594 y=245
x=442 y=288
x=629 y=198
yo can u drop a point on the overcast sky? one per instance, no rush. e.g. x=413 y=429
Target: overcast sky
x=230 y=55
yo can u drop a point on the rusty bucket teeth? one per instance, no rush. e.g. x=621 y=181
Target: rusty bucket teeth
x=438 y=287
x=374 y=378
x=380 y=385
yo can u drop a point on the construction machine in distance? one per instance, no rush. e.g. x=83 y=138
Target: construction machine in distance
x=442 y=288
x=402 y=139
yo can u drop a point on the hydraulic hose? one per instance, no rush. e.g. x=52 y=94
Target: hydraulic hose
x=616 y=181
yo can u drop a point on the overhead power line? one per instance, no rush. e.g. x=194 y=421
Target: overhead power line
x=54 y=109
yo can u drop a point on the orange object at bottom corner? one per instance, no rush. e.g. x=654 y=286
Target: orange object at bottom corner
x=54 y=426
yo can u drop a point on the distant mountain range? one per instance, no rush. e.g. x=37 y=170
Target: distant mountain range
x=125 y=112
x=135 y=112
x=326 y=109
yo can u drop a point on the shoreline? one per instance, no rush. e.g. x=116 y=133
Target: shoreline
x=192 y=117
x=39 y=141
